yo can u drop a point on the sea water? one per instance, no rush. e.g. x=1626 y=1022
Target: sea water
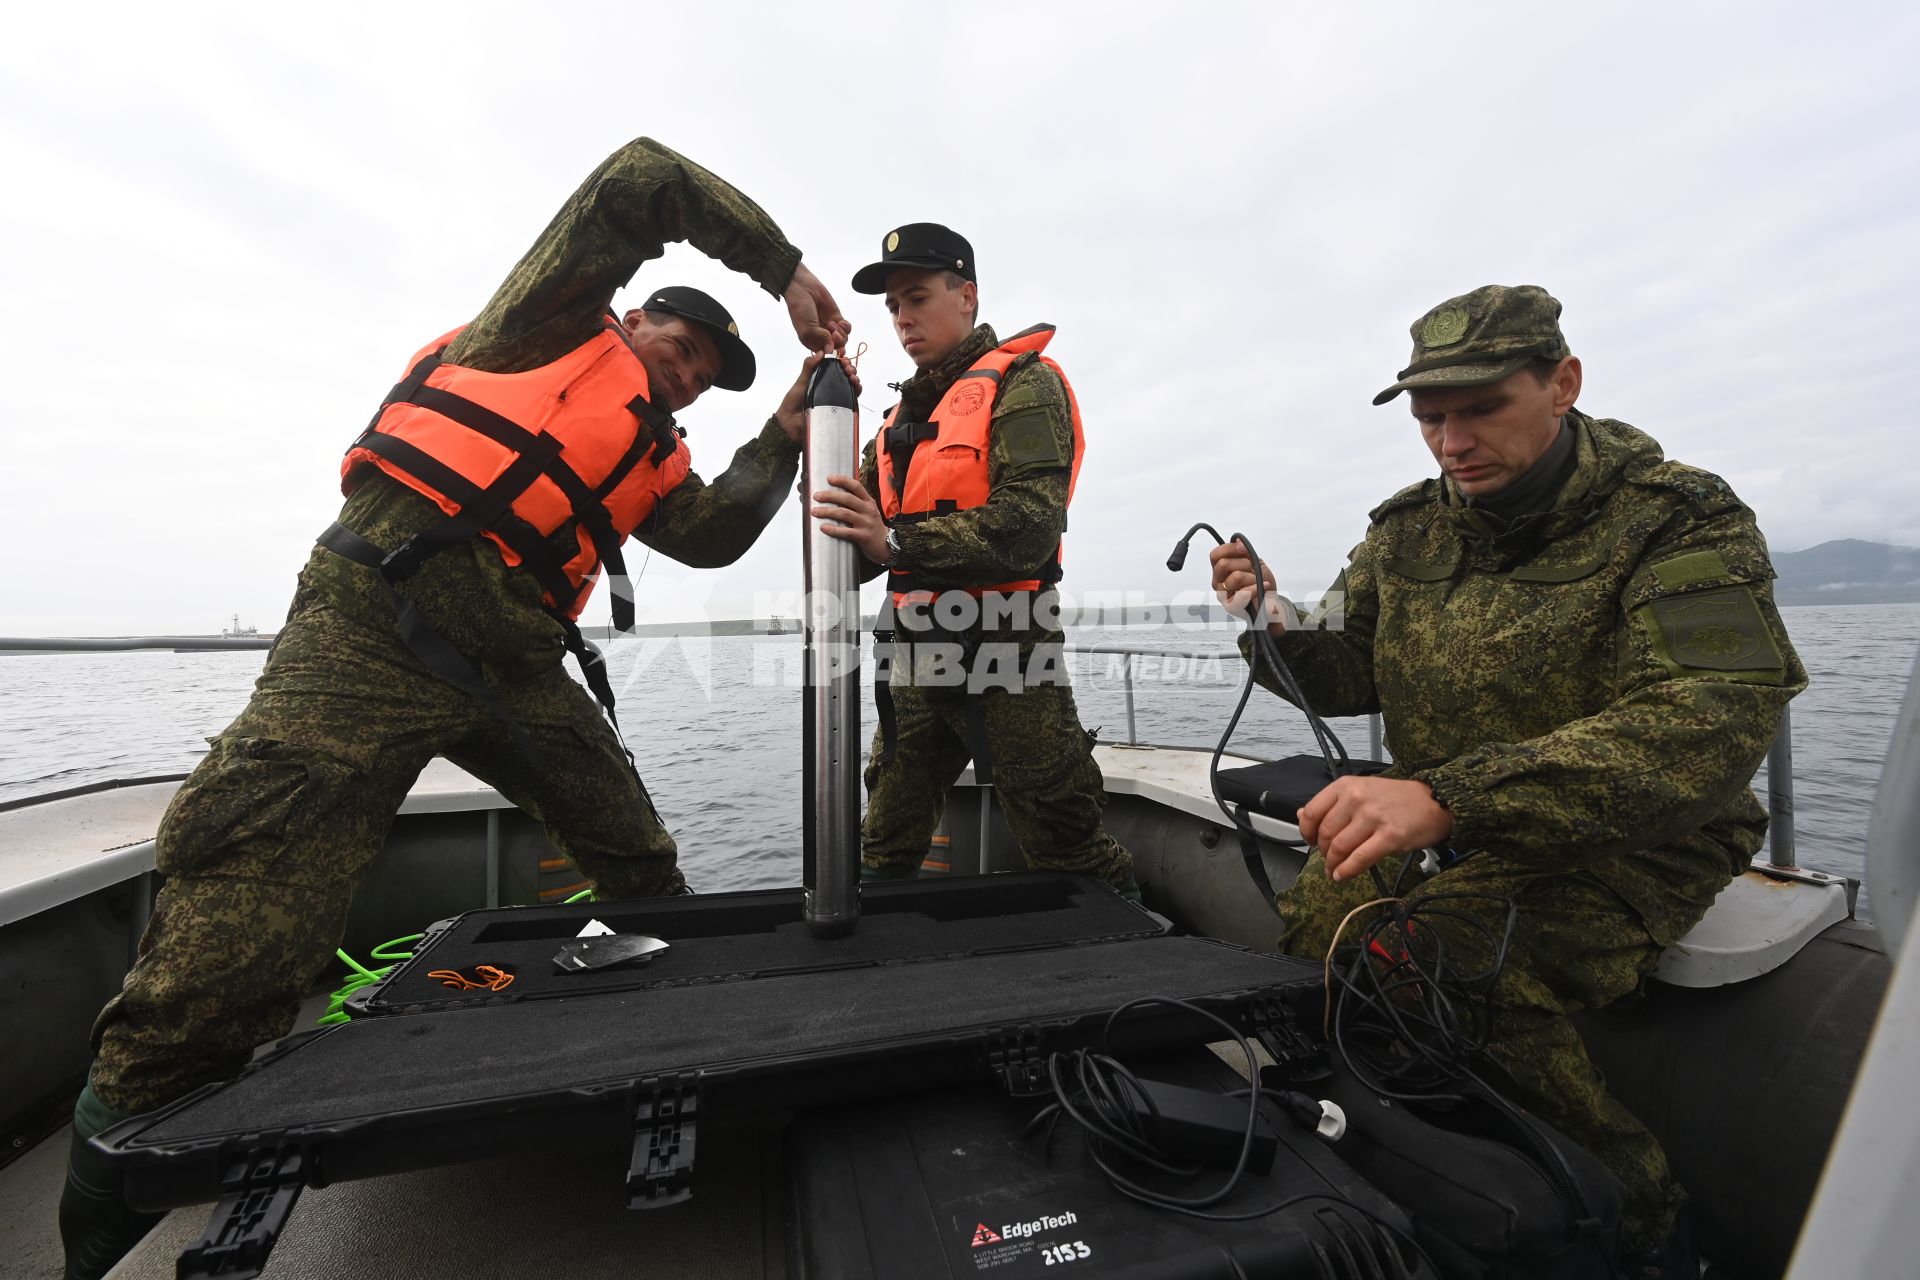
x=715 y=723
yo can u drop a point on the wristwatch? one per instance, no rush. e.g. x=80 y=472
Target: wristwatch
x=893 y=549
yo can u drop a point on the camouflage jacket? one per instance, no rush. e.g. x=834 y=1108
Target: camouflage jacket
x=1020 y=523
x=1591 y=686
x=623 y=215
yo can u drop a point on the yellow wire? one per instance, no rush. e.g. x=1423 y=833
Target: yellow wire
x=1326 y=971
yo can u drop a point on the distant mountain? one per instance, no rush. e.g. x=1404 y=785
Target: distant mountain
x=1848 y=571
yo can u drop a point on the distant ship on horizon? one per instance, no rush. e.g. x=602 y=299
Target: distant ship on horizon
x=775 y=627
x=236 y=631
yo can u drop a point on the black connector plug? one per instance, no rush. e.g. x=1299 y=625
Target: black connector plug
x=1179 y=557
x=1201 y=1127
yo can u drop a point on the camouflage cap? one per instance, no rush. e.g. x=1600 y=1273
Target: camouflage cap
x=1481 y=337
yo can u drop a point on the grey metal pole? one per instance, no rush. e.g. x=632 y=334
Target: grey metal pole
x=1126 y=673
x=1780 y=794
x=831 y=859
x=493 y=857
x=986 y=828
x=1375 y=744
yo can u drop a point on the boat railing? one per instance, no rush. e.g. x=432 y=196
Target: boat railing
x=1780 y=845
x=1780 y=834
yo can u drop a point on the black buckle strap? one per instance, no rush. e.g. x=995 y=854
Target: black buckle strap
x=1250 y=854
x=593 y=668
x=1050 y=573
x=902 y=438
x=404 y=389
x=664 y=433
x=883 y=708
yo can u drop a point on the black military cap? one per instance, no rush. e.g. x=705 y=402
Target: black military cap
x=736 y=358
x=925 y=245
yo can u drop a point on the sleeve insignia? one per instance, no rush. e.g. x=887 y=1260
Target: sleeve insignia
x=1716 y=631
x=1028 y=441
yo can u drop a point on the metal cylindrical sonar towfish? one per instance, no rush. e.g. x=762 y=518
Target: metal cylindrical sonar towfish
x=831 y=863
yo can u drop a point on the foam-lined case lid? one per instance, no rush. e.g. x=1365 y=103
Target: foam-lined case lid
x=415 y=1090
x=726 y=937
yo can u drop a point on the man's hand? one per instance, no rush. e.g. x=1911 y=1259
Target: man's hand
x=1233 y=584
x=857 y=519
x=1356 y=822
x=792 y=413
x=816 y=316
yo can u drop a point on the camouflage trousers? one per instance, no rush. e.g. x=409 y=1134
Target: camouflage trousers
x=1044 y=776
x=263 y=844
x=1576 y=945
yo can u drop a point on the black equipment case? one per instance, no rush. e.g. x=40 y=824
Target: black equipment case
x=962 y=981
x=956 y=1187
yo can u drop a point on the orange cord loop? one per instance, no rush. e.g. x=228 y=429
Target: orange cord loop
x=486 y=977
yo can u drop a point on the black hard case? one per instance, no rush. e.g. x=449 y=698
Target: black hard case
x=961 y=1189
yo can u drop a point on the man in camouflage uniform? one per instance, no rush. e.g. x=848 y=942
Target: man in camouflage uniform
x=263 y=844
x=1573 y=646
x=1024 y=721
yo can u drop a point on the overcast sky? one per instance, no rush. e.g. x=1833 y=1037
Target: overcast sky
x=226 y=229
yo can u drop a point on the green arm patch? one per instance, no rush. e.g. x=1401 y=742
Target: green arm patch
x=1027 y=442
x=1717 y=631
x=1694 y=567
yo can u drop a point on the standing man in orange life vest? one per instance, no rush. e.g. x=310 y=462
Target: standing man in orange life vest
x=494 y=482
x=973 y=473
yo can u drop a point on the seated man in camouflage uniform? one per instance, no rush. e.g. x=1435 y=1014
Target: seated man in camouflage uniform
x=264 y=843
x=978 y=467
x=1573 y=647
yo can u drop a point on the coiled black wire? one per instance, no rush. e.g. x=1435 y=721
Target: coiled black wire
x=1101 y=1095
x=1412 y=1024
x=1407 y=1019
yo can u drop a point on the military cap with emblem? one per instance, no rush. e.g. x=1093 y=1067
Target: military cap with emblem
x=1481 y=337
x=736 y=358
x=925 y=246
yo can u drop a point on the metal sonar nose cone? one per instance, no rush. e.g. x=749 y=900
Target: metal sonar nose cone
x=831 y=767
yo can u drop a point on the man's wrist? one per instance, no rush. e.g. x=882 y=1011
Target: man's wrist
x=776 y=274
x=892 y=553
x=777 y=440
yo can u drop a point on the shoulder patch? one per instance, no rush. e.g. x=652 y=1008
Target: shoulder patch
x=1027 y=440
x=1719 y=630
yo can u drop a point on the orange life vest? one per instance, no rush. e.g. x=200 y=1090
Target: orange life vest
x=518 y=457
x=939 y=467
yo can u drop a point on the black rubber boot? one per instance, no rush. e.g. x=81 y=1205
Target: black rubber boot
x=96 y=1225
x=891 y=871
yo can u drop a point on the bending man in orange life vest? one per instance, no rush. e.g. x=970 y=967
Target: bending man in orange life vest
x=433 y=619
